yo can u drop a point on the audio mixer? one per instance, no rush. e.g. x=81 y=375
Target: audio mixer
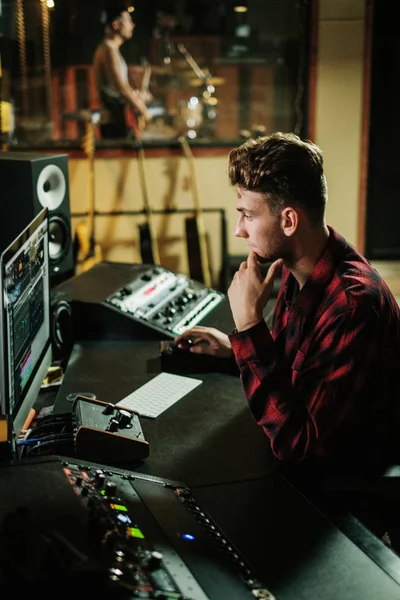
x=114 y=534
x=138 y=301
x=165 y=301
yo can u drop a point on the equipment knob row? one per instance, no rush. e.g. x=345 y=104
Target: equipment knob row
x=121 y=420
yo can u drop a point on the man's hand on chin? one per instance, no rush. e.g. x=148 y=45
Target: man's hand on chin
x=249 y=291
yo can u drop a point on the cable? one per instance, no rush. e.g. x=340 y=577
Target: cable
x=58 y=441
x=50 y=428
x=29 y=442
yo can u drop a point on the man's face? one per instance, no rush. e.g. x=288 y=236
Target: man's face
x=125 y=26
x=261 y=230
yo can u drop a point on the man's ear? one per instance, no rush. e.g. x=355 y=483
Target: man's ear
x=289 y=221
x=115 y=25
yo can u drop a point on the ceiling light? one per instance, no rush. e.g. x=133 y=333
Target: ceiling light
x=241 y=6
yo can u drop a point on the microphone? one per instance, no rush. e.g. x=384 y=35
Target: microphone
x=166 y=46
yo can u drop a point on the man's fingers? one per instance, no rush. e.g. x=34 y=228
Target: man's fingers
x=273 y=270
x=252 y=259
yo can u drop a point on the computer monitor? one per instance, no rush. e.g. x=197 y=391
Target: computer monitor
x=25 y=329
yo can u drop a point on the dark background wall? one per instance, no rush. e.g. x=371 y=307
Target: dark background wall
x=383 y=190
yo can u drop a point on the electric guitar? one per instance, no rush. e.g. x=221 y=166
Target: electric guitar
x=87 y=251
x=148 y=241
x=196 y=241
x=135 y=120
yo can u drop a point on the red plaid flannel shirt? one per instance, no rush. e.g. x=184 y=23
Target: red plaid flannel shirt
x=325 y=381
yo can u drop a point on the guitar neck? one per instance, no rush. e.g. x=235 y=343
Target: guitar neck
x=146 y=79
x=90 y=151
x=196 y=235
x=149 y=237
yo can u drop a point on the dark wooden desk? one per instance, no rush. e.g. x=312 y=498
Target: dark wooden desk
x=207 y=437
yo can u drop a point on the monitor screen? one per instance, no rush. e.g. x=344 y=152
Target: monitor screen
x=25 y=337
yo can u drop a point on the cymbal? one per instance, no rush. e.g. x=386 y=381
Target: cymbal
x=198 y=82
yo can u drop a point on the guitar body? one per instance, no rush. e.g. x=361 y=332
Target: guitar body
x=86 y=252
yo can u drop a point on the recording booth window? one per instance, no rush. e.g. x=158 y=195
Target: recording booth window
x=220 y=71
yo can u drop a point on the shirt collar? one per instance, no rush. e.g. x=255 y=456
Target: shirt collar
x=309 y=296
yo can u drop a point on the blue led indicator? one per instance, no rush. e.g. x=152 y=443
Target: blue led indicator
x=188 y=536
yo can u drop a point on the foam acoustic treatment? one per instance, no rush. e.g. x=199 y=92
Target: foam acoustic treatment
x=30 y=182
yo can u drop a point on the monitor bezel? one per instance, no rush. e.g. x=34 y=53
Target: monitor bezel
x=20 y=412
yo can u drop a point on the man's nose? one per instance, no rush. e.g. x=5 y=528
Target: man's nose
x=240 y=230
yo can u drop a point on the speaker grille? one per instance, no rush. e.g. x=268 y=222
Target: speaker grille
x=59 y=239
x=29 y=183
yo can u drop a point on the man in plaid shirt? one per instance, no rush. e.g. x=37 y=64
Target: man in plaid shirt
x=323 y=383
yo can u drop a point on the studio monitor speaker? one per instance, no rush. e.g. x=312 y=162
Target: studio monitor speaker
x=30 y=182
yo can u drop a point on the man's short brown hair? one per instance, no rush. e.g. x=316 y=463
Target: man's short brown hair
x=285 y=169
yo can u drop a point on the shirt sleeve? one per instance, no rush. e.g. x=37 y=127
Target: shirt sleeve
x=300 y=401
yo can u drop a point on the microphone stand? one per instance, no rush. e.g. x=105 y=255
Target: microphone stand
x=193 y=64
x=207 y=105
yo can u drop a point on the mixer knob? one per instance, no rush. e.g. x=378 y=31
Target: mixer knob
x=111 y=489
x=109 y=409
x=112 y=425
x=124 y=418
x=99 y=479
x=153 y=560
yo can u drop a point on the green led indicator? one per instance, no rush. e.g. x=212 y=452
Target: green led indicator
x=119 y=507
x=134 y=532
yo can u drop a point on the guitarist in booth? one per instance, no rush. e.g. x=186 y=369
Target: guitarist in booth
x=123 y=105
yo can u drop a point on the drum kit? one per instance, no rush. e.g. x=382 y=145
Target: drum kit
x=195 y=115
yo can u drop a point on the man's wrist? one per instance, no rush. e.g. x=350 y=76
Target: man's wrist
x=242 y=326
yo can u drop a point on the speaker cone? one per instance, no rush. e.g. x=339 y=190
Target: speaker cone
x=59 y=239
x=51 y=187
x=61 y=328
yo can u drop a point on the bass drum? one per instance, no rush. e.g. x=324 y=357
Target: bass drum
x=189 y=116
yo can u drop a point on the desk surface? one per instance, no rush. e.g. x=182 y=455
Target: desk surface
x=209 y=441
x=207 y=437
